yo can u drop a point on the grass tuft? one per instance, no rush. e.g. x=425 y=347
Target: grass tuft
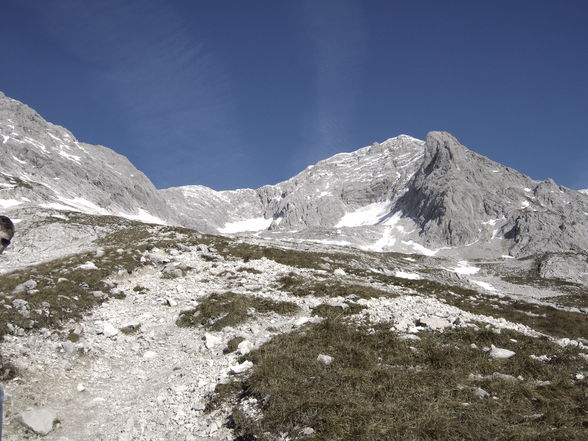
x=218 y=311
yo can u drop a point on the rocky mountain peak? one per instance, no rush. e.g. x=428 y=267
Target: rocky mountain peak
x=435 y=193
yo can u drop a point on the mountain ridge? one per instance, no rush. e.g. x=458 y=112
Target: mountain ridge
x=402 y=194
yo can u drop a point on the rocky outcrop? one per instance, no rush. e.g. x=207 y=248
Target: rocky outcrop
x=458 y=198
x=569 y=267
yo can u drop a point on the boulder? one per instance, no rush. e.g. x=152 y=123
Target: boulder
x=41 y=420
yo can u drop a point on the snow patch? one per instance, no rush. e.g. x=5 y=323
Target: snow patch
x=419 y=248
x=70 y=157
x=255 y=224
x=7 y=203
x=484 y=285
x=463 y=267
x=76 y=204
x=405 y=275
x=143 y=216
x=368 y=215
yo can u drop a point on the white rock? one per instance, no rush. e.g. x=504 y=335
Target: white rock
x=434 y=322
x=149 y=355
x=40 y=421
x=68 y=347
x=245 y=347
x=340 y=272
x=501 y=353
x=80 y=387
x=326 y=359
x=240 y=368
x=307 y=431
x=541 y=358
x=210 y=340
x=409 y=337
x=202 y=248
x=25 y=286
x=301 y=321
x=99 y=252
x=88 y=266
x=109 y=330
x=481 y=393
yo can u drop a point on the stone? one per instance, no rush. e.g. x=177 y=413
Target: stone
x=240 y=368
x=131 y=327
x=307 y=431
x=149 y=355
x=340 y=272
x=433 y=322
x=500 y=352
x=80 y=387
x=109 y=330
x=481 y=393
x=202 y=248
x=68 y=347
x=25 y=286
x=326 y=359
x=41 y=420
x=170 y=302
x=210 y=340
x=245 y=347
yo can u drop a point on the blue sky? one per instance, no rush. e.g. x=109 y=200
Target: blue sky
x=233 y=93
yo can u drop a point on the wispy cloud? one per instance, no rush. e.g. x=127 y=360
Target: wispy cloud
x=171 y=90
x=338 y=33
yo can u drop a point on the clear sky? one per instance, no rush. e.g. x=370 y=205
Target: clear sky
x=243 y=93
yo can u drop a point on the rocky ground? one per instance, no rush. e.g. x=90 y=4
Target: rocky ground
x=123 y=369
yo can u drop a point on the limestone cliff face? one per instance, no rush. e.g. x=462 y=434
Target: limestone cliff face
x=45 y=164
x=458 y=197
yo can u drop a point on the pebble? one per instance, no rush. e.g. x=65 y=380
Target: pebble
x=109 y=330
x=149 y=355
x=326 y=359
x=481 y=393
x=210 y=340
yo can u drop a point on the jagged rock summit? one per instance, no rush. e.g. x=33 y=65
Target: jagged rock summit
x=404 y=194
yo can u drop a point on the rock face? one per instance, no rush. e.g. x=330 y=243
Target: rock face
x=458 y=197
x=403 y=195
x=45 y=164
x=569 y=267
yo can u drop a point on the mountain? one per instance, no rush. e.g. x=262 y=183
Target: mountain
x=432 y=197
x=348 y=189
x=45 y=164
